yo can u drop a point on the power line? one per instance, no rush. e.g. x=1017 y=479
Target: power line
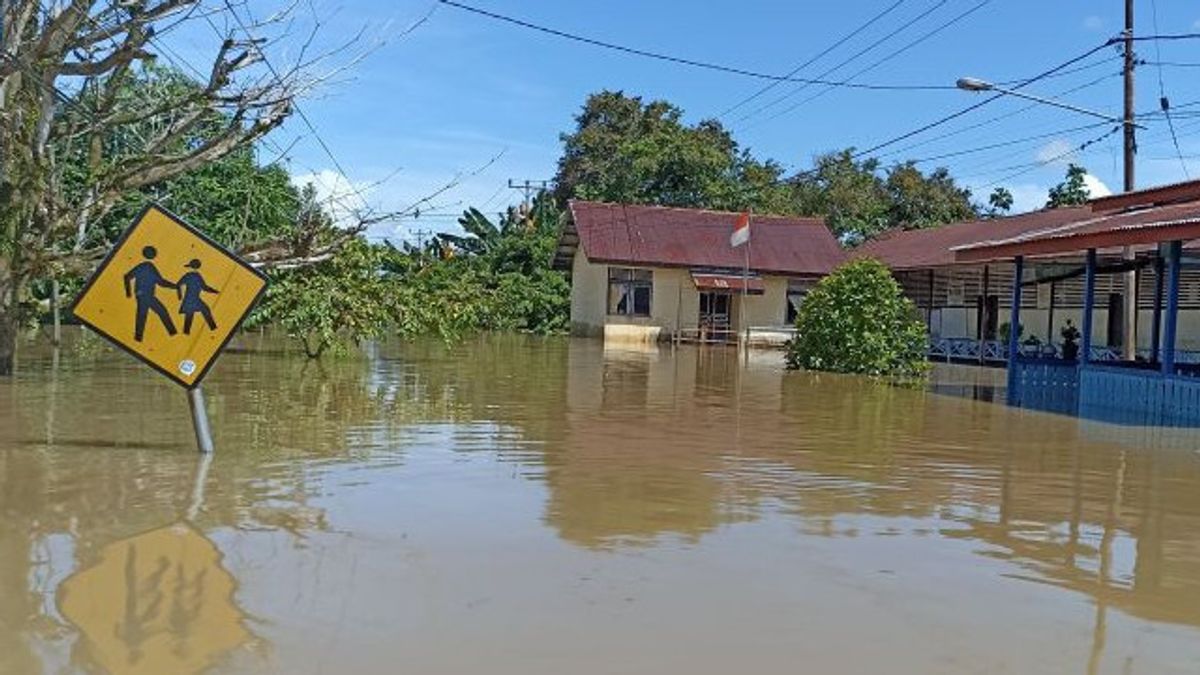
x=844 y=62
x=886 y=59
x=296 y=105
x=997 y=118
x=802 y=66
x=686 y=61
x=1163 y=101
x=1008 y=143
x=971 y=108
x=1024 y=169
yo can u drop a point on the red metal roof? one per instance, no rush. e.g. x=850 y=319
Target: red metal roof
x=675 y=237
x=1159 y=195
x=914 y=249
x=1178 y=222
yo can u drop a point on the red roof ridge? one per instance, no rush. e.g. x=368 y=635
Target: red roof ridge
x=807 y=220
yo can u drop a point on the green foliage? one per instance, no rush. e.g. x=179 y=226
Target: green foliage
x=859 y=200
x=1073 y=191
x=1000 y=202
x=343 y=299
x=625 y=150
x=629 y=151
x=920 y=200
x=857 y=320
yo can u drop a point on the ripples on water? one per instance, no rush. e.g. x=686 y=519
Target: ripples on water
x=514 y=505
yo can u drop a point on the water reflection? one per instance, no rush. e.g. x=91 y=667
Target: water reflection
x=453 y=508
x=157 y=602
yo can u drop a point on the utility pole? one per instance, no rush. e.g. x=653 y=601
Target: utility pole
x=528 y=188
x=1130 y=304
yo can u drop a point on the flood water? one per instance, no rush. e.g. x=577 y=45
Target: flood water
x=523 y=506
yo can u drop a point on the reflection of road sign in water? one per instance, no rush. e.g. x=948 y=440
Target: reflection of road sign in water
x=170 y=296
x=159 y=602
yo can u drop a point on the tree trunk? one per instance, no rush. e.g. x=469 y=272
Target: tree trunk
x=8 y=338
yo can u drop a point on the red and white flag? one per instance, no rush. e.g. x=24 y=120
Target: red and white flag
x=741 y=231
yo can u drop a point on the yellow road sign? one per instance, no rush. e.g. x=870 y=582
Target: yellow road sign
x=170 y=296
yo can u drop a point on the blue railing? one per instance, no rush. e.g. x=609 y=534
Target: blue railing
x=995 y=351
x=1139 y=396
x=1048 y=384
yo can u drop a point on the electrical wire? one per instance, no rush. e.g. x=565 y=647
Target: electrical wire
x=930 y=34
x=971 y=108
x=1026 y=168
x=822 y=53
x=681 y=60
x=998 y=118
x=312 y=128
x=853 y=57
x=1164 y=102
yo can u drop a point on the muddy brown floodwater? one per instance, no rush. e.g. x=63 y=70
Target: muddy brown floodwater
x=527 y=506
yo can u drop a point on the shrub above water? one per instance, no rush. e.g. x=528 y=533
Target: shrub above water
x=857 y=320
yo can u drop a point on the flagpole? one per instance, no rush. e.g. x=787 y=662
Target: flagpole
x=746 y=285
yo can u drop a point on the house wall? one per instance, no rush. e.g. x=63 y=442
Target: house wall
x=675 y=303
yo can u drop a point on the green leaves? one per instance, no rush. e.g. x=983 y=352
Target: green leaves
x=623 y=150
x=857 y=320
x=1073 y=191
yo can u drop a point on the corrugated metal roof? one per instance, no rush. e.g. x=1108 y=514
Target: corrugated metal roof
x=934 y=247
x=1141 y=227
x=675 y=237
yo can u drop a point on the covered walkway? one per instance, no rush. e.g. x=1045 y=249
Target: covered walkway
x=1156 y=388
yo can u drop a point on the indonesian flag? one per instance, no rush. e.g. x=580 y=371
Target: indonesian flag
x=741 y=231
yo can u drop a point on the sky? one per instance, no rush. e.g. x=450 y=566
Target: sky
x=475 y=101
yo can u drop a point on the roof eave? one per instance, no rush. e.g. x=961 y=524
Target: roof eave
x=1134 y=236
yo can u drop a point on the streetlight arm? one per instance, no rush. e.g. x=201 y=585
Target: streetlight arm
x=974 y=84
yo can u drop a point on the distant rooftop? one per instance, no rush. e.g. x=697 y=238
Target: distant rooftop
x=658 y=236
x=959 y=243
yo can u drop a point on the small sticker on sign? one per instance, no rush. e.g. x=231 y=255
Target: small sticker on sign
x=187 y=367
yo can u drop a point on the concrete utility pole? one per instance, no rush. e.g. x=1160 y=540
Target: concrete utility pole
x=528 y=188
x=1130 y=304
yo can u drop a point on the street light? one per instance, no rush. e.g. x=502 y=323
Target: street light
x=975 y=84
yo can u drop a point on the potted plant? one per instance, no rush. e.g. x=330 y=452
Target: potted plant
x=1070 y=345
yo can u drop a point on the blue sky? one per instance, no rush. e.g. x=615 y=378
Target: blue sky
x=463 y=89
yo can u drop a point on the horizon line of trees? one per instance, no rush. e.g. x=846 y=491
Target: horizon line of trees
x=624 y=149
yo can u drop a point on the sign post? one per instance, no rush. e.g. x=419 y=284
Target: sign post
x=172 y=298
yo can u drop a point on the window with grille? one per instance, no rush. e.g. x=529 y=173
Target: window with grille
x=629 y=291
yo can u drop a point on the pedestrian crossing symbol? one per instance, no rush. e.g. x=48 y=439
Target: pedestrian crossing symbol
x=170 y=296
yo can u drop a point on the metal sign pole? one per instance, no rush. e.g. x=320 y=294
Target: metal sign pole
x=204 y=440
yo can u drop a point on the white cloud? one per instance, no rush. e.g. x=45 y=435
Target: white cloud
x=1096 y=187
x=1196 y=25
x=340 y=196
x=1093 y=23
x=1057 y=151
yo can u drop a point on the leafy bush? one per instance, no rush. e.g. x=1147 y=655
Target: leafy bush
x=857 y=320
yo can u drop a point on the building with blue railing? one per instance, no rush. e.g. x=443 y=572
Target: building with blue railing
x=1144 y=233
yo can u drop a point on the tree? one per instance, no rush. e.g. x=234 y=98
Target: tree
x=1073 y=191
x=512 y=262
x=859 y=200
x=625 y=150
x=857 y=320
x=325 y=305
x=76 y=138
x=920 y=201
x=847 y=192
x=1000 y=202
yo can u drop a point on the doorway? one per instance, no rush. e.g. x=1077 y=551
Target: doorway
x=987 y=316
x=1116 y=320
x=715 y=317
